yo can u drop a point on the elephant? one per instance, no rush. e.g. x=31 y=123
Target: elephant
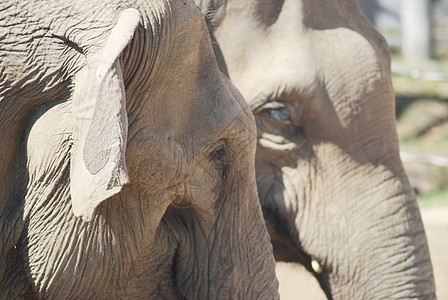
x=127 y=163
x=331 y=183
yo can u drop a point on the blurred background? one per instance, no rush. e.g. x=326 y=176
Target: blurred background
x=417 y=34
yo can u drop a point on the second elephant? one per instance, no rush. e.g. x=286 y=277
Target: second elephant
x=332 y=186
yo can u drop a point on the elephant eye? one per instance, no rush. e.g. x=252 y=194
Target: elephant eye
x=218 y=153
x=274 y=111
x=279 y=114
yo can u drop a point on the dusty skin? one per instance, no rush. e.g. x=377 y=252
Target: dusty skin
x=126 y=157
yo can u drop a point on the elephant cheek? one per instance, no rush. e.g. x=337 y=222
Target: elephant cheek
x=149 y=172
x=153 y=164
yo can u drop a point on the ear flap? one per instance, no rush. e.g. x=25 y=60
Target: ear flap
x=98 y=166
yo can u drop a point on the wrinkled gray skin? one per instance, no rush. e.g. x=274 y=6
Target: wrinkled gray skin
x=329 y=175
x=127 y=158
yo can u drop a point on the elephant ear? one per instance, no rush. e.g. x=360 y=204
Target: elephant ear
x=98 y=166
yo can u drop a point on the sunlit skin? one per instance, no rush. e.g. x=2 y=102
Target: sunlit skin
x=127 y=167
x=331 y=183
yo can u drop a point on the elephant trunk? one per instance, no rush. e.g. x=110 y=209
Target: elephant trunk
x=230 y=256
x=368 y=240
x=355 y=226
x=391 y=258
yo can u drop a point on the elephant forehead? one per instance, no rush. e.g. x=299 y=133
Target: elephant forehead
x=185 y=125
x=209 y=126
x=333 y=68
x=264 y=60
x=292 y=46
x=216 y=112
x=196 y=103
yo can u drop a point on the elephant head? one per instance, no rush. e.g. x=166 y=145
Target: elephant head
x=127 y=167
x=331 y=183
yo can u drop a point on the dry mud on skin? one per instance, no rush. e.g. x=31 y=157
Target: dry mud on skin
x=296 y=283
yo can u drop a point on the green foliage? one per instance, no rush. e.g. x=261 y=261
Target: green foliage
x=434 y=198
